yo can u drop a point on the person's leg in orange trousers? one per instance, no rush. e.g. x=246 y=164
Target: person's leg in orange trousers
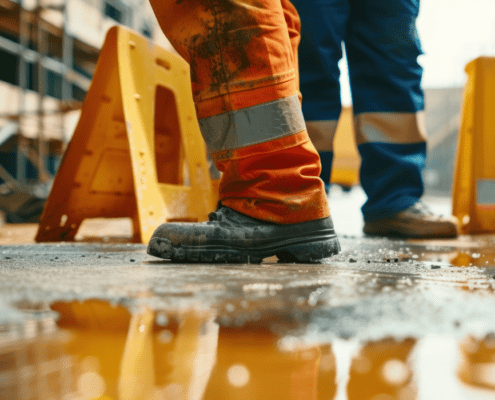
x=243 y=58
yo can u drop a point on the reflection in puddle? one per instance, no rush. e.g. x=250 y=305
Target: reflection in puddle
x=327 y=373
x=381 y=371
x=33 y=363
x=250 y=365
x=100 y=351
x=476 y=258
x=477 y=367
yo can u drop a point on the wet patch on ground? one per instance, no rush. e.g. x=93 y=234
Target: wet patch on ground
x=369 y=321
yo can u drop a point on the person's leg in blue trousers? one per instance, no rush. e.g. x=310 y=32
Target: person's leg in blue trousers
x=323 y=27
x=382 y=47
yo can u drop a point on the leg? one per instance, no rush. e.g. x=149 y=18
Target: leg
x=382 y=49
x=243 y=74
x=294 y=28
x=245 y=89
x=323 y=25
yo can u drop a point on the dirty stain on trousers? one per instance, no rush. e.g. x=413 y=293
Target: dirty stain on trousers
x=243 y=58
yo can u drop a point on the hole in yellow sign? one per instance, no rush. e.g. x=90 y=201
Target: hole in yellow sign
x=171 y=166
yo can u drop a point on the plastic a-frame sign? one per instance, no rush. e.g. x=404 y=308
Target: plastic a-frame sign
x=346 y=159
x=137 y=150
x=474 y=178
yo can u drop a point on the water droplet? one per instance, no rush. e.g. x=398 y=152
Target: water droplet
x=165 y=336
x=395 y=372
x=238 y=375
x=162 y=320
x=91 y=385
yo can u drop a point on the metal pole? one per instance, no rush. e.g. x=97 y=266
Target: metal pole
x=9 y=180
x=41 y=91
x=22 y=78
x=67 y=59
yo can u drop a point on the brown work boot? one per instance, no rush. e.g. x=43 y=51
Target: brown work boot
x=233 y=237
x=415 y=222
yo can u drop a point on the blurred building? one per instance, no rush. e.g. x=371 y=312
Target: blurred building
x=33 y=364
x=48 y=52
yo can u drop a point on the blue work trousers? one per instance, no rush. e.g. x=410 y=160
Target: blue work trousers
x=382 y=46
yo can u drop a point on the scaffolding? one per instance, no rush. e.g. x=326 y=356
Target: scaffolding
x=33 y=133
x=48 y=53
x=41 y=48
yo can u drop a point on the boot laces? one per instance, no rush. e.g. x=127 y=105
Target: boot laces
x=420 y=208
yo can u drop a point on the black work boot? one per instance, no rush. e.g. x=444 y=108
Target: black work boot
x=233 y=237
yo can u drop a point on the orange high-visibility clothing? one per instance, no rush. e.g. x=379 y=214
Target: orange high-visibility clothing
x=243 y=58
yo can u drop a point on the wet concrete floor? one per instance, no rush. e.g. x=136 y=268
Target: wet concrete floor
x=385 y=319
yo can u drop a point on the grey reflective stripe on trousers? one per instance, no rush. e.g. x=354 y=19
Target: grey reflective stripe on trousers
x=253 y=125
x=390 y=127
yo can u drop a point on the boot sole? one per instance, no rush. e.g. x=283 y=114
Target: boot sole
x=311 y=250
x=385 y=230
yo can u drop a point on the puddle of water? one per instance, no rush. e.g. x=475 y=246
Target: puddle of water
x=100 y=351
x=478 y=361
x=475 y=258
x=381 y=370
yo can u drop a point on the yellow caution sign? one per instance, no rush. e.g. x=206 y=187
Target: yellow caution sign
x=474 y=181
x=346 y=159
x=137 y=150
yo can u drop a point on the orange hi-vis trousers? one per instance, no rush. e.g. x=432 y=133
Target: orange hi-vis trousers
x=243 y=59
